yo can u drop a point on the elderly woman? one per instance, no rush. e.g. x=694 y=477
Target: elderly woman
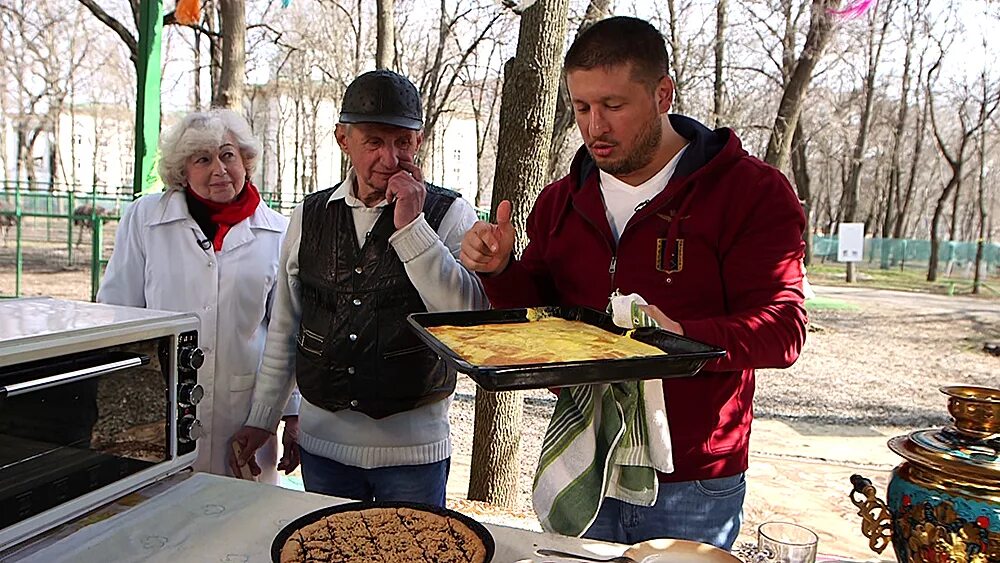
x=208 y=245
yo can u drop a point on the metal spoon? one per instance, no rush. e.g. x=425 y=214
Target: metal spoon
x=556 y=553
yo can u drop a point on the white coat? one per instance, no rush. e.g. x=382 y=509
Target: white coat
x=158 y=263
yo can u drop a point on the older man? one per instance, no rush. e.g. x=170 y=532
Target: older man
x=357 y=259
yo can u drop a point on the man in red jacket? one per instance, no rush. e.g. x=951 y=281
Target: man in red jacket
x=710 y=236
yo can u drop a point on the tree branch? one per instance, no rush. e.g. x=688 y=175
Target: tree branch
x=116 y=26
x=758 y=70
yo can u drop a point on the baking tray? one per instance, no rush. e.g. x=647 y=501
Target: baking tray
x=305 y=520
x=682 y=356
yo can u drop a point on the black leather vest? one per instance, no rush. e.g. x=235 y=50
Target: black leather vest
x=355 y=348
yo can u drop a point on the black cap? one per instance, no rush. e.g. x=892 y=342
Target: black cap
x=382 y=96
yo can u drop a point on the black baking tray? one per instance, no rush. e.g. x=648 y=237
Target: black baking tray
x=681 y=357
x=306 y=519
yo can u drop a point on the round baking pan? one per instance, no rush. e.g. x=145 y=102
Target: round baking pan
x=306 y=519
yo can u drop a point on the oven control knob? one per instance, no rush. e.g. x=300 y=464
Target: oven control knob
x=191 y=357
x=190 y=394
x=189 y=429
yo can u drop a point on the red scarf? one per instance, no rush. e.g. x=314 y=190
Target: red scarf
x=225 y=215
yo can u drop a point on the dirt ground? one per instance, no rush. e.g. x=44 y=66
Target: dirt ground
x=52 y=266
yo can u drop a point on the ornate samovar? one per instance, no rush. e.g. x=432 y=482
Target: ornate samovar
x=944 y=500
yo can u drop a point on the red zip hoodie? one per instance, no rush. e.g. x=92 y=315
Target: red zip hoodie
x=719 y=250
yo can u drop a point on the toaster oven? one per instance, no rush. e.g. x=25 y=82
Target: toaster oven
x=96 y=401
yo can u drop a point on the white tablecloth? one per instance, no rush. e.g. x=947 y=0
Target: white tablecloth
x=207 y=518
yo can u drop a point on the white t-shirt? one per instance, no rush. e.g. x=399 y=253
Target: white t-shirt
x=622 y=200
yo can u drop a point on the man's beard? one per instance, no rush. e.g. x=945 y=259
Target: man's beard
x=645 y=148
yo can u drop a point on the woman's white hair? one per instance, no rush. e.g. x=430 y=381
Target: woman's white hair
x=199 y=131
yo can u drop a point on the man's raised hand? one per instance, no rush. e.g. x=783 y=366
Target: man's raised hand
x=406 y=189
x=486 y=248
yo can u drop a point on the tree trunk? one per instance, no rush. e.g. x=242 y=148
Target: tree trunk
x=955 y=198
x=53 y=157
x=895 y=168
x=820 y=30
x=720 y=59
x=526 y=113
x=213 y=16
x=72 y=145
x=196 y=53
x=496 y=447
x=800 y=170
x=234 y=55
x=674 y=41
x=385 y=44
x=484 y=123
x=18 y=157
x=565 y=119
x=977 y=280
x=907 y=198
x=297 y=150
x=932 y=268
x=853 y=187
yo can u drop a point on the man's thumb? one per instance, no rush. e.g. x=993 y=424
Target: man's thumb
x=503 y=213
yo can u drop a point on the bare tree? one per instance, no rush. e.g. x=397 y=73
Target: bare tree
x=385 y=44
x=918 y=146
x=674 y=44
x=803 y=187
x=227 y=45
x=43 y=50
x=820 y=31
x=914 y=12
x=565 y=120
x=531 y=81
x=439 y=67
x=977 y=280
x=719 y=91
x=956 y=157
x=875 y=42
x=232 y=75
x=483 y=87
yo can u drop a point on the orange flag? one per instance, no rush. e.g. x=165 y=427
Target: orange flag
x=188 y=12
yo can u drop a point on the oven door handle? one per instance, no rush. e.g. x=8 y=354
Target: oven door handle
x=16 y=389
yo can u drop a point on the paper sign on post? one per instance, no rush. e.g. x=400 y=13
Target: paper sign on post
x=851 y=242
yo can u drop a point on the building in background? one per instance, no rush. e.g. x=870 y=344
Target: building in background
x=91 y=148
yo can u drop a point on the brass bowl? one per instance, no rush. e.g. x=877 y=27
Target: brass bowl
x=975 y=410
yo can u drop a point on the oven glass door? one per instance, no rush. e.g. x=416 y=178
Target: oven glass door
x=73 y=424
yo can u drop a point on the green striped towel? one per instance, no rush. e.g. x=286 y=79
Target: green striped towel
x=604 y=440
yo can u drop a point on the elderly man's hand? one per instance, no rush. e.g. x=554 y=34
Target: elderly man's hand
x=290 y=445
x=486 y=248
x=250 y=440
x=406 y=188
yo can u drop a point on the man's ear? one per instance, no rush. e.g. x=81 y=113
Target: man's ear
x=340 y=132
x=665 y=94
x=420 y=138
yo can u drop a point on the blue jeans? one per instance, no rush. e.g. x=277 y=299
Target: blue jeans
x=410 y=483
x=708 y=511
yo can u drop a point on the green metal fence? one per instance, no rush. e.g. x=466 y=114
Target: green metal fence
x=912 y=253
x=57 y=238
x=45 y=228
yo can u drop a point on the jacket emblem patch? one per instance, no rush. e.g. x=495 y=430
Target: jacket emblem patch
x=671 y=215
x=669 y=257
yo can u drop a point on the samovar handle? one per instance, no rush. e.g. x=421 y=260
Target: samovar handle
x=876 y=520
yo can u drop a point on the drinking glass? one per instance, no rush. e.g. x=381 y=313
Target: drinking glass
x=787 y=542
